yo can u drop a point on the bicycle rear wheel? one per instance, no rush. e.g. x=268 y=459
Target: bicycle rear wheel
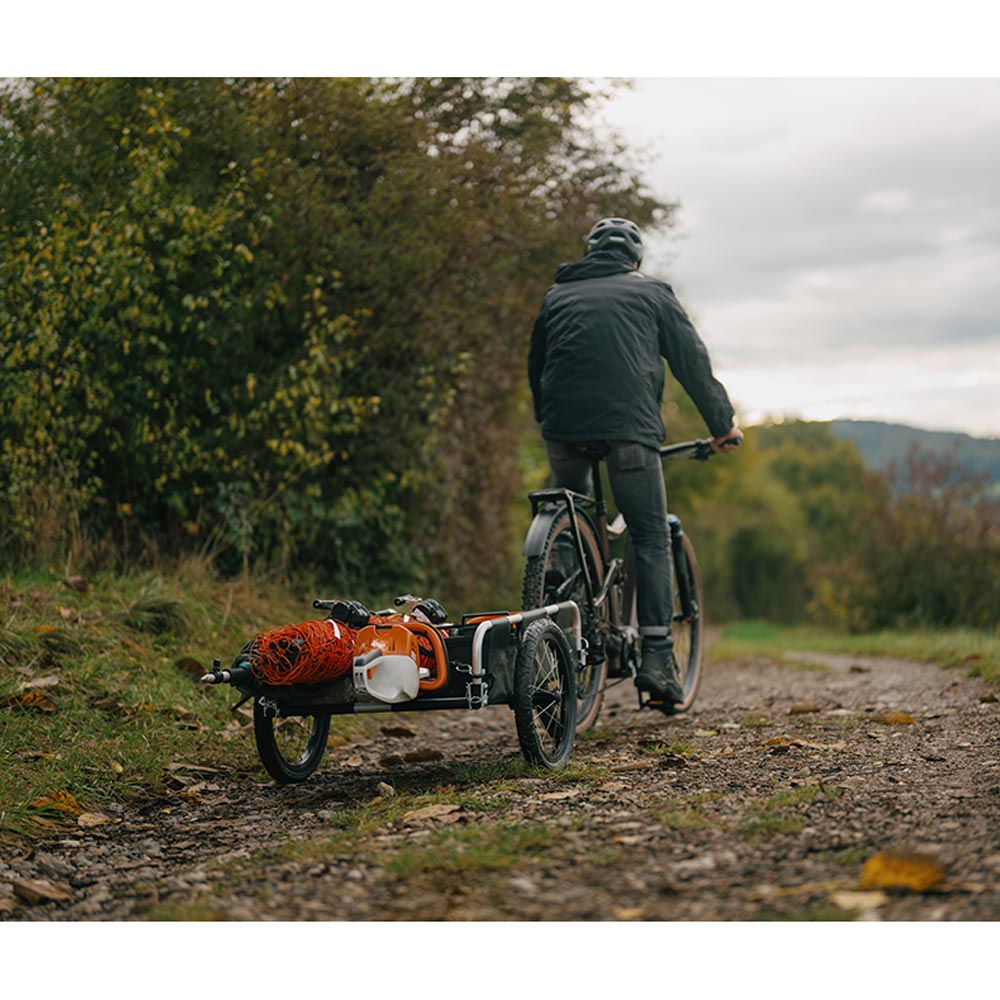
x=556 y=575
x=688 y=625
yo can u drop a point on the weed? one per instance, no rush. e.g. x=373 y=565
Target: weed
x=679 y=749
x=779 y=813
x=754 y=721
x=597 y=735
x=817 y=911
x=472 y=849
x=683 y=819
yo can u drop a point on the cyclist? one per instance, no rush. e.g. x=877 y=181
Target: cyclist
x=596 y=373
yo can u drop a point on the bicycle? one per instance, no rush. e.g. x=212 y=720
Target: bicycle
x=569 y=557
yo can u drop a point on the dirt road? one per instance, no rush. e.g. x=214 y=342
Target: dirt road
x=765 y=802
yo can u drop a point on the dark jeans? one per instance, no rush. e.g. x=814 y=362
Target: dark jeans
x=635 y=473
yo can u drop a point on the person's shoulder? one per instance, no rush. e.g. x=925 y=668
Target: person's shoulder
x=656 y=288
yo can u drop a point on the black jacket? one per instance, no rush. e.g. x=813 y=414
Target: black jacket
x=595 y=365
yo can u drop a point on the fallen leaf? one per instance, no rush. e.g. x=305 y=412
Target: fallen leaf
x=894 y=719
x=706 y=732
x=60 y=801
x=438 y=811
x=631 y=840
x=847 y=900
x=40 y=892
x=779 y=741
x=672 y=760
x=570 y=793
x=803 y=709
x=50 y=680
x=76 y=583
x=393 y=760
x=422 y=756
x=32 y=700
x=629 y=912
x=117 y=767
x=6 y=905
x=898 y=869
x=68 y=614
x=88 y=820
x=400 y=731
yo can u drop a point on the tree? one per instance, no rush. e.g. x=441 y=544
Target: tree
x=285 y=320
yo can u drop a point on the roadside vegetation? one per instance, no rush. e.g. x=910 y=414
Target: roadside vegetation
x=975 y=653
x=260 y=333
x=99 y=694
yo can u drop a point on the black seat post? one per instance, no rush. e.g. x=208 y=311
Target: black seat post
x=600 y=508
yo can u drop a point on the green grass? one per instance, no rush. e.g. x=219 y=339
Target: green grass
x=781 y=812
x=680 y=749
x=470 y=849
x=121 y=707
x=977 y=653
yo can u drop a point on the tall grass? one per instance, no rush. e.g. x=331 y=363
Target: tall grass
x=974 y=651
x=115 y=670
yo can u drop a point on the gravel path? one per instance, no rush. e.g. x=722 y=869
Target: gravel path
x=765 y=802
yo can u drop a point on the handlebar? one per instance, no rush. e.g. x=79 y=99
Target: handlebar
x=699 y=451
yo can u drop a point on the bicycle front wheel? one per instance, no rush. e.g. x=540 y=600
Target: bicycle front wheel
x=557 y=575
x=688 y=624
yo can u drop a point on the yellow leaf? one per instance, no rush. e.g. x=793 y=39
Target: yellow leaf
x=60 y=801
x=629 y=912
x=34 y=700
x=894 y=869
x=894 y=719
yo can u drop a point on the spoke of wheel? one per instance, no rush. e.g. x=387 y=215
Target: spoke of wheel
x=292 y=735
x=546 y=696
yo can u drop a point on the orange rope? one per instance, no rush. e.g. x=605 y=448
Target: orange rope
x=314 y=652
x=308 y=653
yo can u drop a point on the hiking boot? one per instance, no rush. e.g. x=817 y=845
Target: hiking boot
x=660 y=676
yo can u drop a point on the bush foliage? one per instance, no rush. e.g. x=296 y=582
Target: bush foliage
x=283 y=321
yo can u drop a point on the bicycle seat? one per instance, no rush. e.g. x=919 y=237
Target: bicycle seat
x=595 y=451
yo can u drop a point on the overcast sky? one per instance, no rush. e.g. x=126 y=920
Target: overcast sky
x=838 y=241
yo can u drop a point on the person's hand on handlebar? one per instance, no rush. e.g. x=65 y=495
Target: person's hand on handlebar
x=728 y=441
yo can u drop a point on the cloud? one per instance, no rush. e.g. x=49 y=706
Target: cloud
x=831 y=229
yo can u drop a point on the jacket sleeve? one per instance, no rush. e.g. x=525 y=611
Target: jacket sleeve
x=536 y=362
x=688 y=359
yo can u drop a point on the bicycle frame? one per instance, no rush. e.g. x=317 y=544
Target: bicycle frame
x=615 y=569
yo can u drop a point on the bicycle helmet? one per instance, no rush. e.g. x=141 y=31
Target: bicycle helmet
x=616 y=234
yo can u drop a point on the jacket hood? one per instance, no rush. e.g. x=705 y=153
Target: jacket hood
x=600 y=264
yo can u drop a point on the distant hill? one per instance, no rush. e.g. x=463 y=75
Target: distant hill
x=883 y=444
